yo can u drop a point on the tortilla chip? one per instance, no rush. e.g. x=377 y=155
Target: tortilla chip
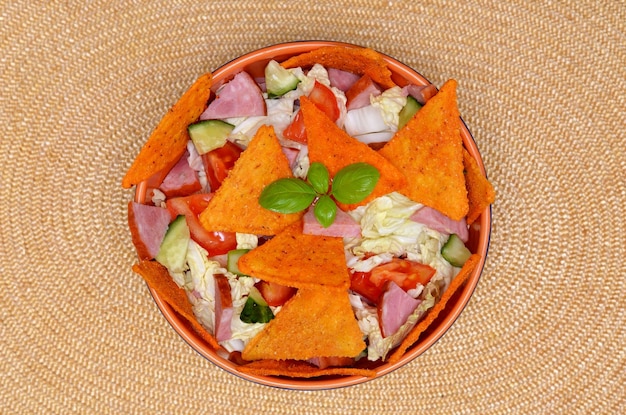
x=479 y=191
x=312 y=323
x=168 y=141
x=235 y=206
x=158 y=278
x=431 y=316
x=361 y=61
x=299 y=369
x=333 y=147
x=297 y=260
x=429 y=150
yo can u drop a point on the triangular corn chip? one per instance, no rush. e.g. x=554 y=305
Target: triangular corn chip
x=431 y=316
x=479 y=191
x=235 y=206
x=334 y=148
x=429 y=150
x=361 y=61
x=158 y=278
x=313 y=323
x=297 y=260
x=168 y=141
x=299 y=369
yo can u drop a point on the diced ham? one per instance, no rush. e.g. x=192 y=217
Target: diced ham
x=342 y=80
x=182 y=180
x=240 y=97
x=421 y=93
x=223 y=308
x=436 y=220
x=148 y=225
x=358 y=96
x=394 y=307
x=343 y=226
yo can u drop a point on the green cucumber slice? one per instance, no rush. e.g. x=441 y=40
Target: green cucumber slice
x=232 y=259
x=256 y=309
x=408 y=111
x=278 y=80
x=207 y=135
x=173 y=249
x=454 y=251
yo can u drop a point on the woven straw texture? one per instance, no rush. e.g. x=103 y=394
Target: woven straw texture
x=542 y=86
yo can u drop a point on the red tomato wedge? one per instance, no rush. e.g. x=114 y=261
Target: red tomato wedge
x=274 y=294
x=407 y=274
x=324 y=99
x=216 y=243
x=360 y=283
x=219 y=162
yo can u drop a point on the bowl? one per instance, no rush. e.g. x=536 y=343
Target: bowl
x=479 y=233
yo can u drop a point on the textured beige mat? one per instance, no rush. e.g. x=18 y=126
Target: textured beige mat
x=541 y=86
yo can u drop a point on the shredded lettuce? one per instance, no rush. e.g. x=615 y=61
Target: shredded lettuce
x=390 y=103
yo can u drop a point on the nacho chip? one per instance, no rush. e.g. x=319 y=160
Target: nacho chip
x=158 y=278
x=312 y=323
x=361 y=61
x=333 y=147
x=429 y=150
x=479 y=191
x=299 y=369
x=168 y=141
x=297 y=260
x=235 y=206
x=431 y=316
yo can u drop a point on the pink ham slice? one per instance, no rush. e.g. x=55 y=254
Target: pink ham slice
x=182 y=180
x=421 y=93
x=343 y=226
x=223 y=308
x=394 y=307
x=436 y=220
x=240 y=97
x=342 y=80
x=358 y=96
x=324 y=362
x=148 y=225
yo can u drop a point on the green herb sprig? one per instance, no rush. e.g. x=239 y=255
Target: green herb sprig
x=351 y=184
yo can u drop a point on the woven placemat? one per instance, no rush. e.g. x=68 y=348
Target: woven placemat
x=541 y=86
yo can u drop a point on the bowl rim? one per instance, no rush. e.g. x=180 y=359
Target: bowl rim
x=400 y=70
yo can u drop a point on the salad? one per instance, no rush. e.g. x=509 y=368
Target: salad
x=307 y=228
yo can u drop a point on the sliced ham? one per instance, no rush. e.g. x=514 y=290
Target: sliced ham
x=436 y=220
x=223 y=308
x=324 y=362
x=343 y=226
x=182 y=180
x=342 y=80
x=359 y=94
x=394 y=307
x=148 y=225
x=239 y=97
x=421 y=93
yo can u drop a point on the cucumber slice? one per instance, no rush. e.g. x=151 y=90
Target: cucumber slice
x=454 y=251
x=208 y=135
x=278 y=80
x=233 y=258
x=173 y=249
x=408 y=111
x=256 y=309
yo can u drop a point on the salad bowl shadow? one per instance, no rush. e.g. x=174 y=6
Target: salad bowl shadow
x=479 y=237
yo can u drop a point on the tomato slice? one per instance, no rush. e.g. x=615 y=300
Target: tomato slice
x=216 y=243
x=219 y=162
x=407 y=274
x=275 y=294
x=324 y=99
x=360 y=283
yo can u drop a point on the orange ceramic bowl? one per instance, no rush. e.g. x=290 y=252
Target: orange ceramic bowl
x=479 y=233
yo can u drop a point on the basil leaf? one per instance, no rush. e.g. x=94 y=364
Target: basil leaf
x=325 y=210
x=319 y=177
x=288 y=195
x=355 y=182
